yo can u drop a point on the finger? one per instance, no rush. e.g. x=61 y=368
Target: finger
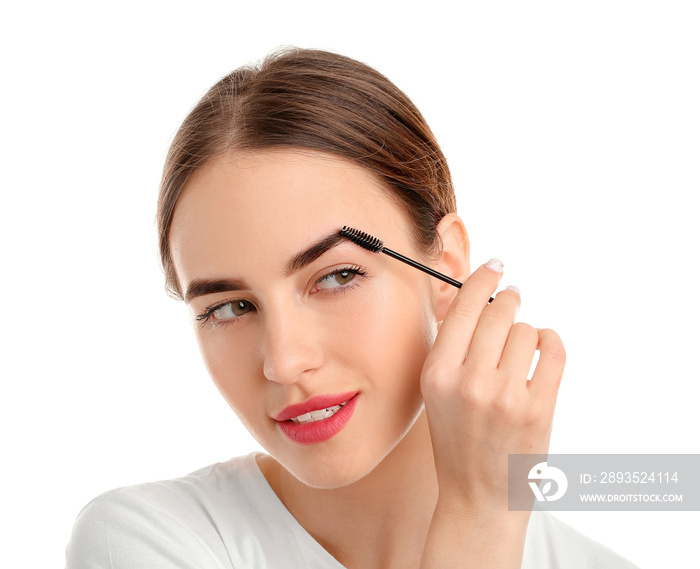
x=461 y=319
x=550 y=367
x=519 y=351
x=492 y=330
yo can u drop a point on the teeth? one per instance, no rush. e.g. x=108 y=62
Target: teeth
x=319 y=415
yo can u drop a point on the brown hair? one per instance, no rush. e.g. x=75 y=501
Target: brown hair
x=317 y=100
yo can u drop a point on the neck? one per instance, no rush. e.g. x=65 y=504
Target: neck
x=387 y=512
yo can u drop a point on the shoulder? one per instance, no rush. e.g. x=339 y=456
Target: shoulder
x=552 y=543
x=165 y=524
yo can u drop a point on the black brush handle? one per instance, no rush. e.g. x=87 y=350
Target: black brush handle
x=420 y=267
x=431 y=272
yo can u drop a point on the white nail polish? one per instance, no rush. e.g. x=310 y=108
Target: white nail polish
x=495 y=265
x=513 y=288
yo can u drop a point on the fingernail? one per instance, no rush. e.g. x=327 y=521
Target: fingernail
x=495 y=265
x=514 y=288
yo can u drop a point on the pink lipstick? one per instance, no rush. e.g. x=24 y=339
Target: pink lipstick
x=317 y=419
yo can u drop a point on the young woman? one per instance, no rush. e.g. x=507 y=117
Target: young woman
x=388 y=400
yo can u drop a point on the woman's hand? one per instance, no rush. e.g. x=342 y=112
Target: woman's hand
x=481 y=406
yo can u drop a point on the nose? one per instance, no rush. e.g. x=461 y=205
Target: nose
x=290 y=346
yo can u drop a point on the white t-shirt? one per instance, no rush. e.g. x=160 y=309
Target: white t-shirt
x=226 y=516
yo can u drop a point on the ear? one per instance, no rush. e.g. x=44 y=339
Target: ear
x=453 y=262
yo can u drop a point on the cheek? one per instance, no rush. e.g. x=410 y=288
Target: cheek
x=228 y=357
x=385 y=333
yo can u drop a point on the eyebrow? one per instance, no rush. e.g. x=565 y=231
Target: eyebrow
x=300 y=260
x=200 y=287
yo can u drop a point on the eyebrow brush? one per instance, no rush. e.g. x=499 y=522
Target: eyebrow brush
x=375 y=245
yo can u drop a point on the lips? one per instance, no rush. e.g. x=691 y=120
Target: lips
x=314 y=404
x=320 y=430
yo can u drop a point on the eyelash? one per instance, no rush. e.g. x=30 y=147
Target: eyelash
x=205 y=316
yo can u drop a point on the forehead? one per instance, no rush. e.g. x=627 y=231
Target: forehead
x=271 y=204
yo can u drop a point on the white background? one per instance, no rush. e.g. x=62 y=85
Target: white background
x=573 y=133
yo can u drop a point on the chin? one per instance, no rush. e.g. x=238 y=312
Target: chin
x=328 y=469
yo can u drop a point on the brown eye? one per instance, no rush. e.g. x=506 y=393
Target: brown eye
x=337 y=278
x=344 y=277
x=232 y=309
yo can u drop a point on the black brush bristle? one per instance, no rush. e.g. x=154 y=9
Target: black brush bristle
x=362 y=239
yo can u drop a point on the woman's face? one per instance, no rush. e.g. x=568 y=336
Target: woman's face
x=277 y=328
